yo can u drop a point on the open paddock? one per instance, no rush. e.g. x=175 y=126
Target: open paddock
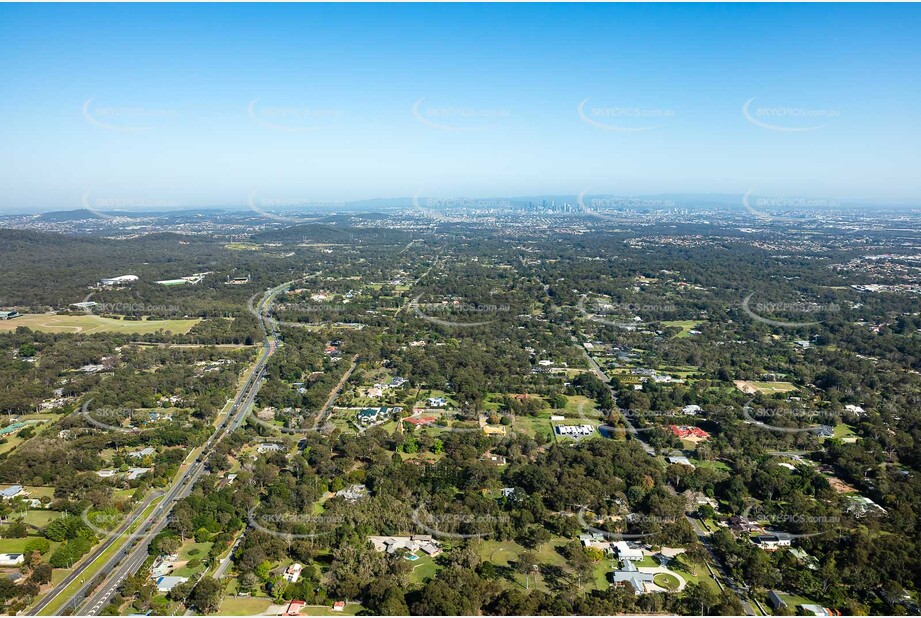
x=89 y=324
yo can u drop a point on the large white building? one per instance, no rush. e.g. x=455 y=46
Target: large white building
x=119 y=280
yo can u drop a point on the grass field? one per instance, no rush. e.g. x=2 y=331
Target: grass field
x=686 y=327
x=37 y=518
x=243 y=606
x=88 y=324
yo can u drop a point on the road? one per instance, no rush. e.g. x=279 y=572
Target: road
x=702 y=535
x=95 y=555
x=134 y=551
x=323 y=414
x=596 y=368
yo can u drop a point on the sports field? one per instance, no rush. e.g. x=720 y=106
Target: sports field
x=88 y=324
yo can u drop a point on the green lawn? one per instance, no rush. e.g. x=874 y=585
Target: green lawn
x=533 y=425
x=664 y=580
x=686 y=326
x=37 y=518
x=578 y=406
x=243 y=606
x=702 y=575
x=88 y=324
x=14 y=546
x=844 y=431
x=203 y=549
x=423 y=568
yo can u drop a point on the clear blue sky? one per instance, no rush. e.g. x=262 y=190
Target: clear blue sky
x=316 y=102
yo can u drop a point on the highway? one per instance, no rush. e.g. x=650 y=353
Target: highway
x=134 y=551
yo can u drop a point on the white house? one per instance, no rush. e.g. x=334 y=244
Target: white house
x=144 y=452
x=293 y=572
x=770 y=542
x=625 y=552
x=168 y=582
x=12 y=560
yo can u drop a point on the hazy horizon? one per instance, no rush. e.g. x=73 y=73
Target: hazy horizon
x=204 y=105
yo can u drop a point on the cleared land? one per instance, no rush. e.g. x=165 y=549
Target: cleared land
x=89 y=324
x=768 y=388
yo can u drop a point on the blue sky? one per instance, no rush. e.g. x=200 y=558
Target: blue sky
x=146 y=105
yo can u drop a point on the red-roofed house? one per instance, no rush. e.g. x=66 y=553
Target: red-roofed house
x=420 y=420
x=294 y=608
x=685 y=431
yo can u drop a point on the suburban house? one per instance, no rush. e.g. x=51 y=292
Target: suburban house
x=268 y=447
x=294 y=608
x=13 y=491
x=686 y=431
x=293 y=572
x=419 y=542
x=679 y=459
x=861 y=505
x=575 y=431
x=136 y=473
x=168 y=582
x=437 y=402
x=770 y=542
x=368 y=416
x=144 y=452
x=743 y=524
x=630 y=576
x=775 y=601
x=626 y=552
x=12 y=560
x=352 y=493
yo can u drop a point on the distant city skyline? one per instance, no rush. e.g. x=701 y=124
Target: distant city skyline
x=152 y=107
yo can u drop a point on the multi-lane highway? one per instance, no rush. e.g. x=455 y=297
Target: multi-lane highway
x=133 y=552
